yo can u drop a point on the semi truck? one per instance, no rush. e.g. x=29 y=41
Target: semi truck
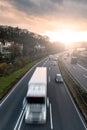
x=36 y=97
x=73 y=60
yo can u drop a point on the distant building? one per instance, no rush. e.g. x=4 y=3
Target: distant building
x=4 y=49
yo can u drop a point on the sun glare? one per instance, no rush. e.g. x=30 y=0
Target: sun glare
x=67 y=36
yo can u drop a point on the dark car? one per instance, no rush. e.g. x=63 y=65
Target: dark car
x=58 y=78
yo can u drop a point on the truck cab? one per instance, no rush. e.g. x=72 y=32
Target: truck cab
x=35 y=110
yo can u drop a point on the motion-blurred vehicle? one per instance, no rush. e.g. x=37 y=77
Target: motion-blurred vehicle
x=74 y=60
x=36 y=97
x=58 y=78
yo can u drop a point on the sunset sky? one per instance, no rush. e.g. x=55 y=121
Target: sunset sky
x=50 y=17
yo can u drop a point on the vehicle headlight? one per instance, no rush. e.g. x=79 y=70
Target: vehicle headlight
x=43 y=116
x=30 y=116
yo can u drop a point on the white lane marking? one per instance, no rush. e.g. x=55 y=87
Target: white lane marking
x=15 y=128
x=81 y=84
x=51 y=120
x=48 y=102
x=85 y=76
x=82 y=67
x=21 y=121
x=49 y=79
x=18 y=84
x=49 y=68
x=75 y=106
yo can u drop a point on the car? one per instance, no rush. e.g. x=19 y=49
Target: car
x=58 y=78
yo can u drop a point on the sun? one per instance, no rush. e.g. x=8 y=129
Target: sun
x=67 y=36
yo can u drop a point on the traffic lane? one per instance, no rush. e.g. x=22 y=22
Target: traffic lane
x=78 y=67
x=80 y=71
x=81 y=78
x=10 y=110
x=33 y=127
x=45 y=126
x=82 y=68
x=79 y=74
x=53 y=68
x=65 y=116
x=11 y=107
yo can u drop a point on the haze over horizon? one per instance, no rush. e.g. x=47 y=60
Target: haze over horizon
x=48 y=17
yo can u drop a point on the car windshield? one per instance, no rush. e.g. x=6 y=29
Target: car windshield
x=58 y=77
x=36 y=100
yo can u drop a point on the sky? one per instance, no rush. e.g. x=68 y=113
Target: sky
x=46 y=16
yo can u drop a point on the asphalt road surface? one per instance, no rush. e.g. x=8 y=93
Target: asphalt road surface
x=78 y=71
x=62 y=114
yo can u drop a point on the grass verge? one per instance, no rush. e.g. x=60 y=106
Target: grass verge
x=78 y=93
x=7 y=82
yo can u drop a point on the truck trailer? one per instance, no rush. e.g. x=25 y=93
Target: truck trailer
x=36 y=97
x=74 y=60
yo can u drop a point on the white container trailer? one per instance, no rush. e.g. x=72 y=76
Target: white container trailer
x=35 y=111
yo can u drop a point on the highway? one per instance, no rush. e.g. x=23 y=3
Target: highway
x=78 y=71
x=62 y=114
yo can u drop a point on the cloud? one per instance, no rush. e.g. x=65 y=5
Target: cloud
x=36 y=7
x=42 y=8
x=40 y=15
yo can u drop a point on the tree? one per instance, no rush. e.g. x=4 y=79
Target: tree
x=15 y=51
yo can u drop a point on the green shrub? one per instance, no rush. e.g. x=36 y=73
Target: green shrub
x=21 y=61
x=3 y=67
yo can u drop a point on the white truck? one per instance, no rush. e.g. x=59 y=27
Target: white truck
x=35 y=111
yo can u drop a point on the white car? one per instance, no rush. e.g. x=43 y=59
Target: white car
x=58 y=78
